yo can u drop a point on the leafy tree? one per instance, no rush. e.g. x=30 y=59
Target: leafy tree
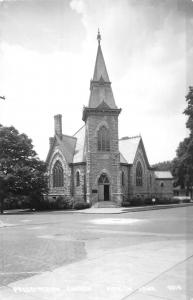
x=183 y=163
x=21 y=171
x=163 y=166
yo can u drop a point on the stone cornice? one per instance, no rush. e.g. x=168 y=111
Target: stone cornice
x=99 y=111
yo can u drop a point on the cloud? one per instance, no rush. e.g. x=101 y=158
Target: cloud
x=48 y=51
x=40 y=25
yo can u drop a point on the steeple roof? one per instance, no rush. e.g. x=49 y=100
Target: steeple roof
x=100 y=86
x=100 y=71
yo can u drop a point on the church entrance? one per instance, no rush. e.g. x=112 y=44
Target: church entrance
x=104 y=188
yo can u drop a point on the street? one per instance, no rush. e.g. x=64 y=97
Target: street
x=135 y=255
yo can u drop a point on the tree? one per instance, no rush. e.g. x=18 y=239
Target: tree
x=183 y=163
x=163 y=166
x=21 y=171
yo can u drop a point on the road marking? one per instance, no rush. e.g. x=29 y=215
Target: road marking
x=113 y=221
x=25 y=221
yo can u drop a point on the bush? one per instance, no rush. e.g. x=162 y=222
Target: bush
x=137 y=201
x=126 y=203
x=148 y=201
x=16 y=202
x=63 y=202
x=81 y=205
x=166 y=200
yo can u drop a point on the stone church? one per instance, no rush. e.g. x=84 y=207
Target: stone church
x=94 y=165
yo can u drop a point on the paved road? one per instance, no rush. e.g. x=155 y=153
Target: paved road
x=34 y=243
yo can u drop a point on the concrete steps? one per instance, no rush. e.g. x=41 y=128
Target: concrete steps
x=105 y=204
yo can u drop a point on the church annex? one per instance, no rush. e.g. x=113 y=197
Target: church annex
x=94 y=164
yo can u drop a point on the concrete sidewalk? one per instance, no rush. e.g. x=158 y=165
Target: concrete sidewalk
x=102 y=210
x=158 y=270
x=121 y=210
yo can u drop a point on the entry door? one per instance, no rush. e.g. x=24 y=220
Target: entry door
x=101 y=192
x=106 y=192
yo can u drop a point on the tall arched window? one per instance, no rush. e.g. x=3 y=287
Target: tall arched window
x=58 y=175
x=139 y=175
x=103 y=139
x=77 y=178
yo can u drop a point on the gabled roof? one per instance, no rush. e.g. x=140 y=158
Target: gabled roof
x=128 y=149
x=66 y=145
x=79 y=153
x=163 y=175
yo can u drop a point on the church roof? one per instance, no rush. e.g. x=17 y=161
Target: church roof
x=66 y=145
x=79 y=153
x=128 y=147
x=163 y=175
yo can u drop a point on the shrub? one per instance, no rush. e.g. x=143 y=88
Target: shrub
x=148 y=201
x=81 y=205
x=137 y=201
x=63 y=202
x=126 y=203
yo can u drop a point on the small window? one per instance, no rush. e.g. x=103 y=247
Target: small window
x=77 y=178
x=139 y=175
x=122 y=178
x=150 y=180
x=162 y=184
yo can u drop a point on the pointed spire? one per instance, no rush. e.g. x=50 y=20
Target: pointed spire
x=100 y=85
x=99 y=37
x=100 y=71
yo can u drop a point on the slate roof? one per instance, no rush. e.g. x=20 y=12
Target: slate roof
x=100 y=69
x=128 y=148
x=79 y=153
x=163 y=175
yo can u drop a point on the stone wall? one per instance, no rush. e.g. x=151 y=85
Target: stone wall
x=163 y=188
x=125 y=185
x=79 y=191
x=147 y=187
x=66 y=189
x=102 y=162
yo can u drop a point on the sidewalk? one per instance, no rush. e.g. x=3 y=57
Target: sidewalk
x=121 y=210
x=100 y=210
x=159 y=270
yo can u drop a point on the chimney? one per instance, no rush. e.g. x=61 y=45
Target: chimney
x=58 y=125
x=51 y=140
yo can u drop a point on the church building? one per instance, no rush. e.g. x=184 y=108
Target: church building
x=94 y=164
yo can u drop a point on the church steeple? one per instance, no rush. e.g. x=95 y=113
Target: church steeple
x=100 y=71
x=100 y=86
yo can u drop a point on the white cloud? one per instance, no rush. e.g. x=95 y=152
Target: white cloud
x=146 y=67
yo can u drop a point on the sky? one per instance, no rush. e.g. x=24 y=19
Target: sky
x=47 y=56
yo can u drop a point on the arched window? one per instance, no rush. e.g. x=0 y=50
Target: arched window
x=77 y=178
x=58 y=175
x=122 y=178
x=103 y=179
x=103 y=139
x=139 y=175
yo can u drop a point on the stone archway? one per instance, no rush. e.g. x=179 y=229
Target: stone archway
x=103 y=188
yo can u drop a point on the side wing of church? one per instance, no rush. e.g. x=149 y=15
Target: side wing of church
x=95 y=165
